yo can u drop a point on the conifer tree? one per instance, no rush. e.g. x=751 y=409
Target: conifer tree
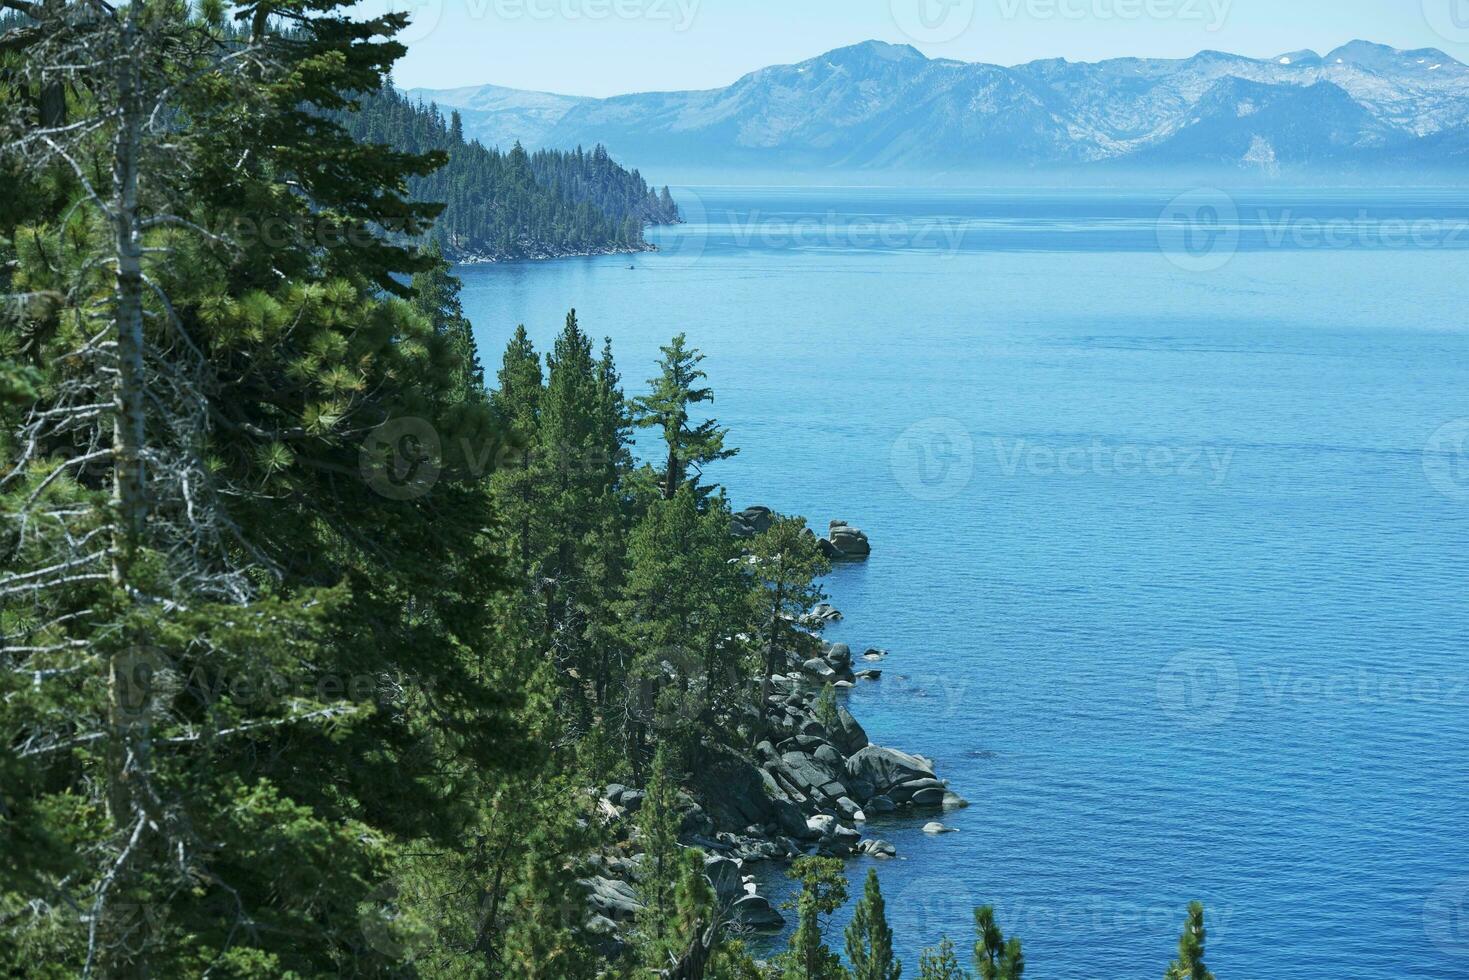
x=996 y=957
x=941 y=963
x=676 y=392
x=517 y=403
x=786 y=564
x=1190 y=962
x=660 y=870
x=869 y=938
x=823 y=891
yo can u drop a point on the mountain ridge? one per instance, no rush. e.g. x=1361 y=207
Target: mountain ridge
x=1361 y=109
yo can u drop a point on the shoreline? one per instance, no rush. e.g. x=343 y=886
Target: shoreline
x=808 y=787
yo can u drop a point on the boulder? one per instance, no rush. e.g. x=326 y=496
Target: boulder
x=880 y=849
x=632 y=800
x=851 y=543
x=611 y=898
x=937 y=828
x=819 y=668
x=792 y=822
x=886 y=768
x=869 y=675
x=880 y=804
x=849 y=810
x=822 y=823
x=735 y=793
x=754 y=912
x=752 y=521
x=875 y=654
x=849 y=736
x=839 y=656
x=724 y=876
x=614 y=793
x=813 y=775
x=928 y=797
x=953 y=801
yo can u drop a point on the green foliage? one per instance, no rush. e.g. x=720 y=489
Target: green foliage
x=941 y=963
x=786 y=564
x=662 y=867
x=869 y=938
x=506 y=205
x=825 y=709
x=674 y=392
x=1190 y=962
x=996 y=957
x=823 y=891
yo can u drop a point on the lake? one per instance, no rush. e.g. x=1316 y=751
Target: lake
x=1169 y=501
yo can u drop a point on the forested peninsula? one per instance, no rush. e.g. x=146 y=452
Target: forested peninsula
x=512 y=204
x=328 y=649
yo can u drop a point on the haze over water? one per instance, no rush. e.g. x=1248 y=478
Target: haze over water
x=1170 y=541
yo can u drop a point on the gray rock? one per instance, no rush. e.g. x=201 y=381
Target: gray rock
x=869 y=675
x=632 y=800
x=880 y=804
x=937 y=828
x=754 y=912
x=928 y=797
x=820 y=668
x=791 y=821
x=849 y=809
x=878 y=849
x=849 y=736
x=875 y=654
x=839 y=655
x=851 y=542
x=953 y=801
x=724 y=876
x=752 y=521
x=614 y=899
x=813 y=776
x=614 y=792
x=822 y=823
x=886 y=768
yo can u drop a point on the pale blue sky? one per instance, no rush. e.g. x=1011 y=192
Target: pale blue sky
x=608 y=47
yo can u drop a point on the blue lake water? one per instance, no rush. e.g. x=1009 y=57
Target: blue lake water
x=1171 y=530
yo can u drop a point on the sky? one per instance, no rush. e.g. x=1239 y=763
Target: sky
x=612 y=47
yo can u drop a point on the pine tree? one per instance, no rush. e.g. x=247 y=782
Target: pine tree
x=675 y=393
x=996 y=957
x=786 y=564
x=659 y=872
x=245 y=709
x=823 y=891
x=1190 y=962
x=869 y=938
x=940 y=963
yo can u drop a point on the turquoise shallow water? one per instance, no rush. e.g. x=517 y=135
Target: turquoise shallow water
x=1170 y=541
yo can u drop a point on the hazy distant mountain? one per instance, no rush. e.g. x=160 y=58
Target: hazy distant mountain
x=1361 y=109
x=497 y=117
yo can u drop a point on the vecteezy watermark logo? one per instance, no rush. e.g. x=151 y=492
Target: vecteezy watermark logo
x=1446 y=460
x=1448 y=18
x=934 y=459
x=1446 y=917
x=401 y=459
x=933 y=21
x=1199 y=688
x=425 y=18
x=1210 y=13
x=1199 y=231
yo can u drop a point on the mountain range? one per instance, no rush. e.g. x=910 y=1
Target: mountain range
x=1361 y=110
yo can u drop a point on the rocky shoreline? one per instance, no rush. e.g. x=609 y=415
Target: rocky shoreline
x=545 y=253
x=808 y=788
